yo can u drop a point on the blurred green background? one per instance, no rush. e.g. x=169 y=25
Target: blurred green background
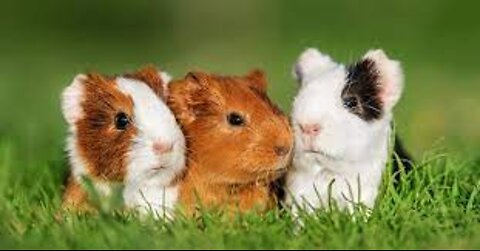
x=45 y=43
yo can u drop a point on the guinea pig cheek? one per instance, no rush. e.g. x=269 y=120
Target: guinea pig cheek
x=276 y=152
x=348 y=134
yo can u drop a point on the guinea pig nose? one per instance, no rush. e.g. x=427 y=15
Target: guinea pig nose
x=310 y=129
x=281 y=150
x=162 y=147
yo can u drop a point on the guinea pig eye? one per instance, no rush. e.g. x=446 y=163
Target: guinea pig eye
x=350 y=103
x=235 y=119
x=121 y=121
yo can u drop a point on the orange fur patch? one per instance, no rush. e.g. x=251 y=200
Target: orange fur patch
x=75 y=197
x=103 y=147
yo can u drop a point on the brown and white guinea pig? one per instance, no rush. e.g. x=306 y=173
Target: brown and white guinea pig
x=342 y=119
x=238 y=141
x=121 y=130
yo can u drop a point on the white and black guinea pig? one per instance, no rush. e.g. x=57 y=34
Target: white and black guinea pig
x=342 y=123
x=121 y=130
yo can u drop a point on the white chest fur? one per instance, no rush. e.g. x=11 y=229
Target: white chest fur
x=149 y=196
x=313 y=184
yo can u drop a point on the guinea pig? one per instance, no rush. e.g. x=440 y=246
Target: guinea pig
x=121 y=130
x=238 y=142
x=341 y=119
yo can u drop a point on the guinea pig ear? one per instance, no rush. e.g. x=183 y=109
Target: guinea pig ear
x=184 y=95
x=72 y=98
x=310 y=64
x=197 y=79
x=155 y=79
x=390 y=77
x=257 y=80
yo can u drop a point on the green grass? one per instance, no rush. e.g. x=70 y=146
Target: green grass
x=437 y=206
x=45 y=43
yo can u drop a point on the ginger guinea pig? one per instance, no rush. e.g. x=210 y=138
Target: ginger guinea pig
x=342 y=119
x=121 y=130
x=238 y=141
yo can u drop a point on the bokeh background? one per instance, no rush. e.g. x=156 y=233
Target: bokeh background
x=44 y=44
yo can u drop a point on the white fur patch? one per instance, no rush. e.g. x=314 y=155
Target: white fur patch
x=166 y=78
x=148 y=175
x=77 y=164
x=350 y=154
x=150 y=198
x=310 y=64
x=72 y=97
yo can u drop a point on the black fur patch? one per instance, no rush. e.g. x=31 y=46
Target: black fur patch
x=401 y=159
x=363 y=86
x=277 y=189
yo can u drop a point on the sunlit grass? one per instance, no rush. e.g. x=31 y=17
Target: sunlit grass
x=437 y=205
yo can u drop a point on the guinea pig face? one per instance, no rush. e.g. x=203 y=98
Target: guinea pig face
x=232 y=127
x=120 y=128
x=339 y=111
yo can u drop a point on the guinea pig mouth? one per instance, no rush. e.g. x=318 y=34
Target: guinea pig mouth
x=159 y=168
x=271 y=173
